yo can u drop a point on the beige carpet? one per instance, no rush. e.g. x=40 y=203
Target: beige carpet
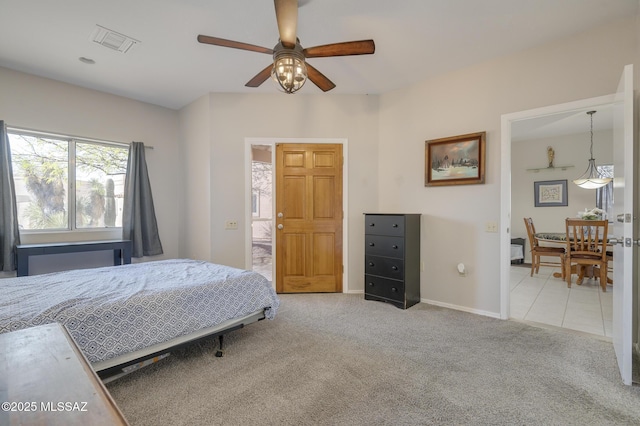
x=340 y=360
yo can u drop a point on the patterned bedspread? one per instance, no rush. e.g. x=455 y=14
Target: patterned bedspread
x=116 y=310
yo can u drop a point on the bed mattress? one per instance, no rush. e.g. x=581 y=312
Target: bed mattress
x=115 y=310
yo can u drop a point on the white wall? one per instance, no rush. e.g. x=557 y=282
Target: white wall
x=195 y=226
x=41 y=104
x=569 y=150
x=235 y=117
x=471 y=100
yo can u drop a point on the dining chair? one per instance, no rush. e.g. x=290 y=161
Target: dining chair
x=538 y=251
x=587 y=246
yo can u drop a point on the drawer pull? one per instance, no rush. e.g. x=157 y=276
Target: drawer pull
x=372 y=264
x=372 y=224
x=395 y=225
x=394 y=267
x=370 y=284
x=394 y=246
x=393 y=289
x=371 y=244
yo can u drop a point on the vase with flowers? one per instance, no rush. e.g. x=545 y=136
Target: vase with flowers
x=593 y=214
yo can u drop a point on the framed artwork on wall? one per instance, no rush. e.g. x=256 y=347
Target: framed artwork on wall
x=457 y=160
x=550 y=193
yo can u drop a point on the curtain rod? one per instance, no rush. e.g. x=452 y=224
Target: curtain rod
x=40 y=132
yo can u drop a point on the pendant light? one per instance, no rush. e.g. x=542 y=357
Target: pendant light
x=591 y=178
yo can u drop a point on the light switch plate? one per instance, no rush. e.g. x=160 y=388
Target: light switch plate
x=491 y=226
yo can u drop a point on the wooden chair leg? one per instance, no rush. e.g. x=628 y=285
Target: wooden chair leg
x=580 y=275
x=603 y=278
x=562 y=268
x=567 y=268
x=533 y=264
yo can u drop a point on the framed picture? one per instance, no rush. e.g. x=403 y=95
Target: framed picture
x=550 y=193
x=457 y=160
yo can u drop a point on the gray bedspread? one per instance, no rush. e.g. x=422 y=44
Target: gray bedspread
x=116 y=310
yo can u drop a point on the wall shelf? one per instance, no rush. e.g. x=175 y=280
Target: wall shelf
x=551 y=169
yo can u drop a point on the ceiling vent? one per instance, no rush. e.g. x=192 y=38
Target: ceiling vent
x=113 y=40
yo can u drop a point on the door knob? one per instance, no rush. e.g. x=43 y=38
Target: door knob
x=624 y=218
x=280 y=226
x=280 y=215
x=624 y=242
x=615 y=240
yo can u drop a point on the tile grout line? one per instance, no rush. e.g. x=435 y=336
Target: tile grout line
x=535 y=299
x=604 y=328
x=566 y=307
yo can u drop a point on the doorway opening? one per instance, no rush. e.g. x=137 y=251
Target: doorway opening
x=544 y=297
x=512 y=217
x=262 y=210
x=260 y=203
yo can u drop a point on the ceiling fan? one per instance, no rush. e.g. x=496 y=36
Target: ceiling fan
x=289 y=67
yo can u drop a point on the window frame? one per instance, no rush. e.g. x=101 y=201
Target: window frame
x=605 y=193
x=72 y=141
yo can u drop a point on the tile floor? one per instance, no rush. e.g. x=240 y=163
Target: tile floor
x=547 y=300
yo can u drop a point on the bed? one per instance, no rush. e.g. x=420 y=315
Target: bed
x=124 y=316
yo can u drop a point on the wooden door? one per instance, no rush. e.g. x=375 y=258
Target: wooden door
x=308 y=218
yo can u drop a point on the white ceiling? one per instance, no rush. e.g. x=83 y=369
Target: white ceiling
x=415 y=39
x=562 y=124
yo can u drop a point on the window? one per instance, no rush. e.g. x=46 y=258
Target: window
x=604 y=195
x=53 y=172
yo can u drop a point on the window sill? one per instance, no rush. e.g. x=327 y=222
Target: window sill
x=63 y=236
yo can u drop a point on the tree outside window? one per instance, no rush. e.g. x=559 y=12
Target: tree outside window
x=53 y=173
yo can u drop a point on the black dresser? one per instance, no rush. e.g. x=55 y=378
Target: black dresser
x=392 y=258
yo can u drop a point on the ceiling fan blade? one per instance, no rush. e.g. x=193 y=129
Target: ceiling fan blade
x=233 y=44
x=261 y=77
x=319 y=79
x=287 y=17
x=347 y=48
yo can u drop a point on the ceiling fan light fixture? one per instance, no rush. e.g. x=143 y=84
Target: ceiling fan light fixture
x=289 y=70
x=592 y=178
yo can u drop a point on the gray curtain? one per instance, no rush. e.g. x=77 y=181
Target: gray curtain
x=139 y=217
x=9 y=233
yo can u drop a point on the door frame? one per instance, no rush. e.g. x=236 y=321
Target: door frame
x=247 y=198
x=505 y=181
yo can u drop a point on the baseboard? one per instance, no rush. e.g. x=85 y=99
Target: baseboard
x=462 y=308
x=445 y=305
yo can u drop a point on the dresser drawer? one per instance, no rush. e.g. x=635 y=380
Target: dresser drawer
x=384 y=225
x=383 y=287
x=388 y=267
x=379 y=245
